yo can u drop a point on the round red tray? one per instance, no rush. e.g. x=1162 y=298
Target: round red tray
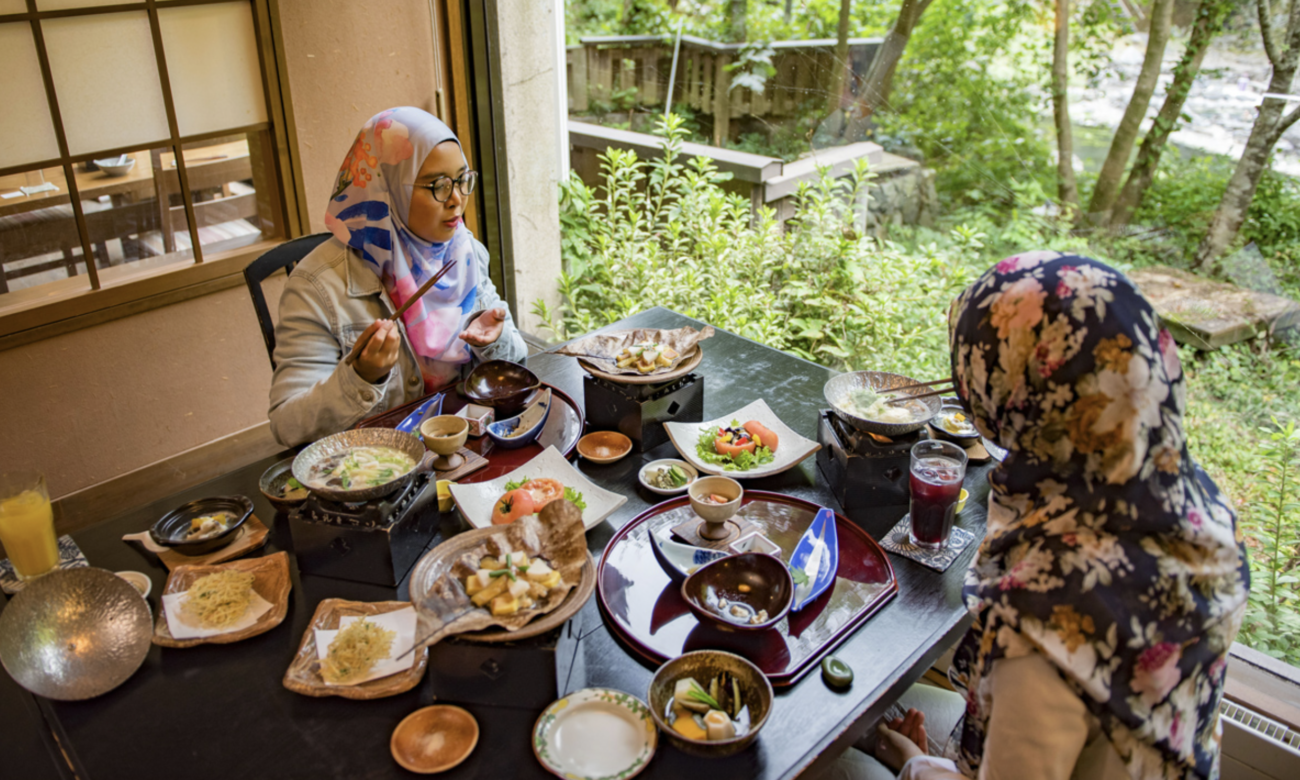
x=644 y=608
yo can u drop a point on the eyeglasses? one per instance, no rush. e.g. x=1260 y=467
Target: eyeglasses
x=441 y=186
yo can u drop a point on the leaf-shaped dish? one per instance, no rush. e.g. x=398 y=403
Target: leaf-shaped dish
x=303 y=675
x=792 y=449
x=437 y=583
x=817 y=557
x=270 y=581
x=477 y=500
x=601 y=350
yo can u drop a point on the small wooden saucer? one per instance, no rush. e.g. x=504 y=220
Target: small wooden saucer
x=689 y=532
x=472 y=462
x=434 y=739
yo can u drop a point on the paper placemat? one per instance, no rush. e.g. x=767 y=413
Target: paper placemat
x=898 y=542
x=70 y=557
x=402 y=622
x=172 y=602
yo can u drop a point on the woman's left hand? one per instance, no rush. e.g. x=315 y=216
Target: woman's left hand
x=485 y=329
x=901 y=740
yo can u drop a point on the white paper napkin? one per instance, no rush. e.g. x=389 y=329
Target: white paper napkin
x=402 y=622
x=257 y=606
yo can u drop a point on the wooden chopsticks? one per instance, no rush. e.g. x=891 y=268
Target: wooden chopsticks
x=424 y=288
x=940 y=386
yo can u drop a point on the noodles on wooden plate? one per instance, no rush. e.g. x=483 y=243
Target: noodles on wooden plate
x=218 y=600
x=355 y=651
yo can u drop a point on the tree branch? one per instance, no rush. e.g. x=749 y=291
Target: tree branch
x=1287 y=120
x=1266 y=32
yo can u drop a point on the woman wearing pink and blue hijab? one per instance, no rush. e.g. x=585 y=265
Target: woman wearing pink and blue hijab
x=396 y=219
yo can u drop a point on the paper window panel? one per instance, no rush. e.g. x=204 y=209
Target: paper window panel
x=26 y=129
x=106 y=76
x=63 y=5
x=216 y=77
x=13 y=6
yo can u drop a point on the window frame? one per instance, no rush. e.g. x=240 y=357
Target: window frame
x=42 y=312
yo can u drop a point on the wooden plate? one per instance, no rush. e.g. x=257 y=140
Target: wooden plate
x=434 y=739
x=683 y=368
x=575 y=601
x=270 y=581
x=303 y=674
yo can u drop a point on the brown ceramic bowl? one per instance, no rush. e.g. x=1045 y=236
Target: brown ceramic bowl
x=604 y=446
x=742 y=585
x=502 y=385
x=704 y=665
x=719 y=486
x=434 y=739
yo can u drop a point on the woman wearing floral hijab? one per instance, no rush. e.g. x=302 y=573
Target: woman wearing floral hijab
x=396 y=218
x=1112 y=581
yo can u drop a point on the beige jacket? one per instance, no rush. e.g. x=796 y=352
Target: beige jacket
x=329 y=300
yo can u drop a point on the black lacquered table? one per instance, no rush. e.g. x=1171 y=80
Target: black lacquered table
x=220 y=711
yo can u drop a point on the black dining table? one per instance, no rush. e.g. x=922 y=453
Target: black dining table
x=221 y=712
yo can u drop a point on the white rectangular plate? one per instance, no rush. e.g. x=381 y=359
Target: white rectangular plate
x=791 y=449
x=477 y=500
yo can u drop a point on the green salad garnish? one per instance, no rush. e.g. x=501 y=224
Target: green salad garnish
x=744 y=461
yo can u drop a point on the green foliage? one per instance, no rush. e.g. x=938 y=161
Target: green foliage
x=1273 y=625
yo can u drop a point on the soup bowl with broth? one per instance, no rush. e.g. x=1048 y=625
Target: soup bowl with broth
x=359 y=465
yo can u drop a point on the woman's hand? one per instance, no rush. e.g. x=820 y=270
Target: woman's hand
x=485 y=329
x=902 y=739
x=379 y=355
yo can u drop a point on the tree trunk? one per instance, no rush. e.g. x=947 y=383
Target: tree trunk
x=835 y=94
x=1210 y=15
x=1270 y=123
x=1067 y=188
x=1121 y=146
x=739 y=10
x=880 y=76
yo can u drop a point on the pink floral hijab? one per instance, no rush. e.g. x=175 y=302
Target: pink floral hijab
x=1109 y=551
x=368 y=211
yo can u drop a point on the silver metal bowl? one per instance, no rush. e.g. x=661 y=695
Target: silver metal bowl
x=362 y=437
x=75 y=633
x=837 y=393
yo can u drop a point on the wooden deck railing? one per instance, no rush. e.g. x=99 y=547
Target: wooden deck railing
x=804 y=71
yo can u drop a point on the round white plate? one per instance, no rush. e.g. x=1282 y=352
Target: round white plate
x=653 y=465
x=595 y=733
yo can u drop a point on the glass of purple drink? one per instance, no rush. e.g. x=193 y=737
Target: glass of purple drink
x=938 y=468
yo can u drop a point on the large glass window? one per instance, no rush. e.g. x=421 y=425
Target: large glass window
x=100 y=99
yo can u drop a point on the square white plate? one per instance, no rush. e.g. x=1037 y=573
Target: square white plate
x=477 y=500
x=791 y=449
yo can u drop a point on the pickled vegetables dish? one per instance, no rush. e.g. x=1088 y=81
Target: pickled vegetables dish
x=737 y=447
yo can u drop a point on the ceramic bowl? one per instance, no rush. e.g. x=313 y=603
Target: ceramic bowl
x=116 y=166
x=332 y=446
x=964 y=439
x=273 y=482
x=434 y=739
x=678 y=560
x=595 y=733
x=604 y=446
x=744 y=585
x=704 y=665
x=445 y=435
x=522 y=430
x=655 y=465
x=718 y=486
x=139 y=580
x=171 y=528
x=502 y=385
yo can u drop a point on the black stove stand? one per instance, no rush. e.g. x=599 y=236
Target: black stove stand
x=376 y=541
x=639 y=411
x=869 y=478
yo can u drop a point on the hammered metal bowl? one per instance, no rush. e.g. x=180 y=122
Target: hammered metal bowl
x=75 y=633
x=837 y=393
x=408 y=443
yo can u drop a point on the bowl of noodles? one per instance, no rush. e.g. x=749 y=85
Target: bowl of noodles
x=861 y=398
x=359 y=465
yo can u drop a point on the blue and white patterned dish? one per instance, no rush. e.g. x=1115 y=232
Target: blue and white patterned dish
x=679 y=560
x=430 y=408
x=506 y=434
x=818 y=556
x=70 y=557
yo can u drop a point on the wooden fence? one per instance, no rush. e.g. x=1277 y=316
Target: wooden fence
x=805 y=70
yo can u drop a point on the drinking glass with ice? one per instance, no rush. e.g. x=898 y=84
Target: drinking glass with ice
x=938 y=468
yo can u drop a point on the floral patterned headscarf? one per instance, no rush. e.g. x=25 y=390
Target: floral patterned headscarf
x=368 y=211
x=1109 y=551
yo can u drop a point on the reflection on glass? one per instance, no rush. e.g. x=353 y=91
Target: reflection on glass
x=232 y=181
x=39 y=242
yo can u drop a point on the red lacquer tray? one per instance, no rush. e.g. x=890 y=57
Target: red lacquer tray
x=645 y=608
x=563 y=429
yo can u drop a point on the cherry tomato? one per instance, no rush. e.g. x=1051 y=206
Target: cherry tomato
x=512 y=506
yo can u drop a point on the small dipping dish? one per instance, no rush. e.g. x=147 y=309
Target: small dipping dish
x=275 y=483
x=139 y=580
x=746 y=592
x=604 y=446
x=434 y=739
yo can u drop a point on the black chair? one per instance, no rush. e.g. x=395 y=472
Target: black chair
x=284 y=256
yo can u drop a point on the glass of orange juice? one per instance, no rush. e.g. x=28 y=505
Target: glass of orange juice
x=27 y=524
